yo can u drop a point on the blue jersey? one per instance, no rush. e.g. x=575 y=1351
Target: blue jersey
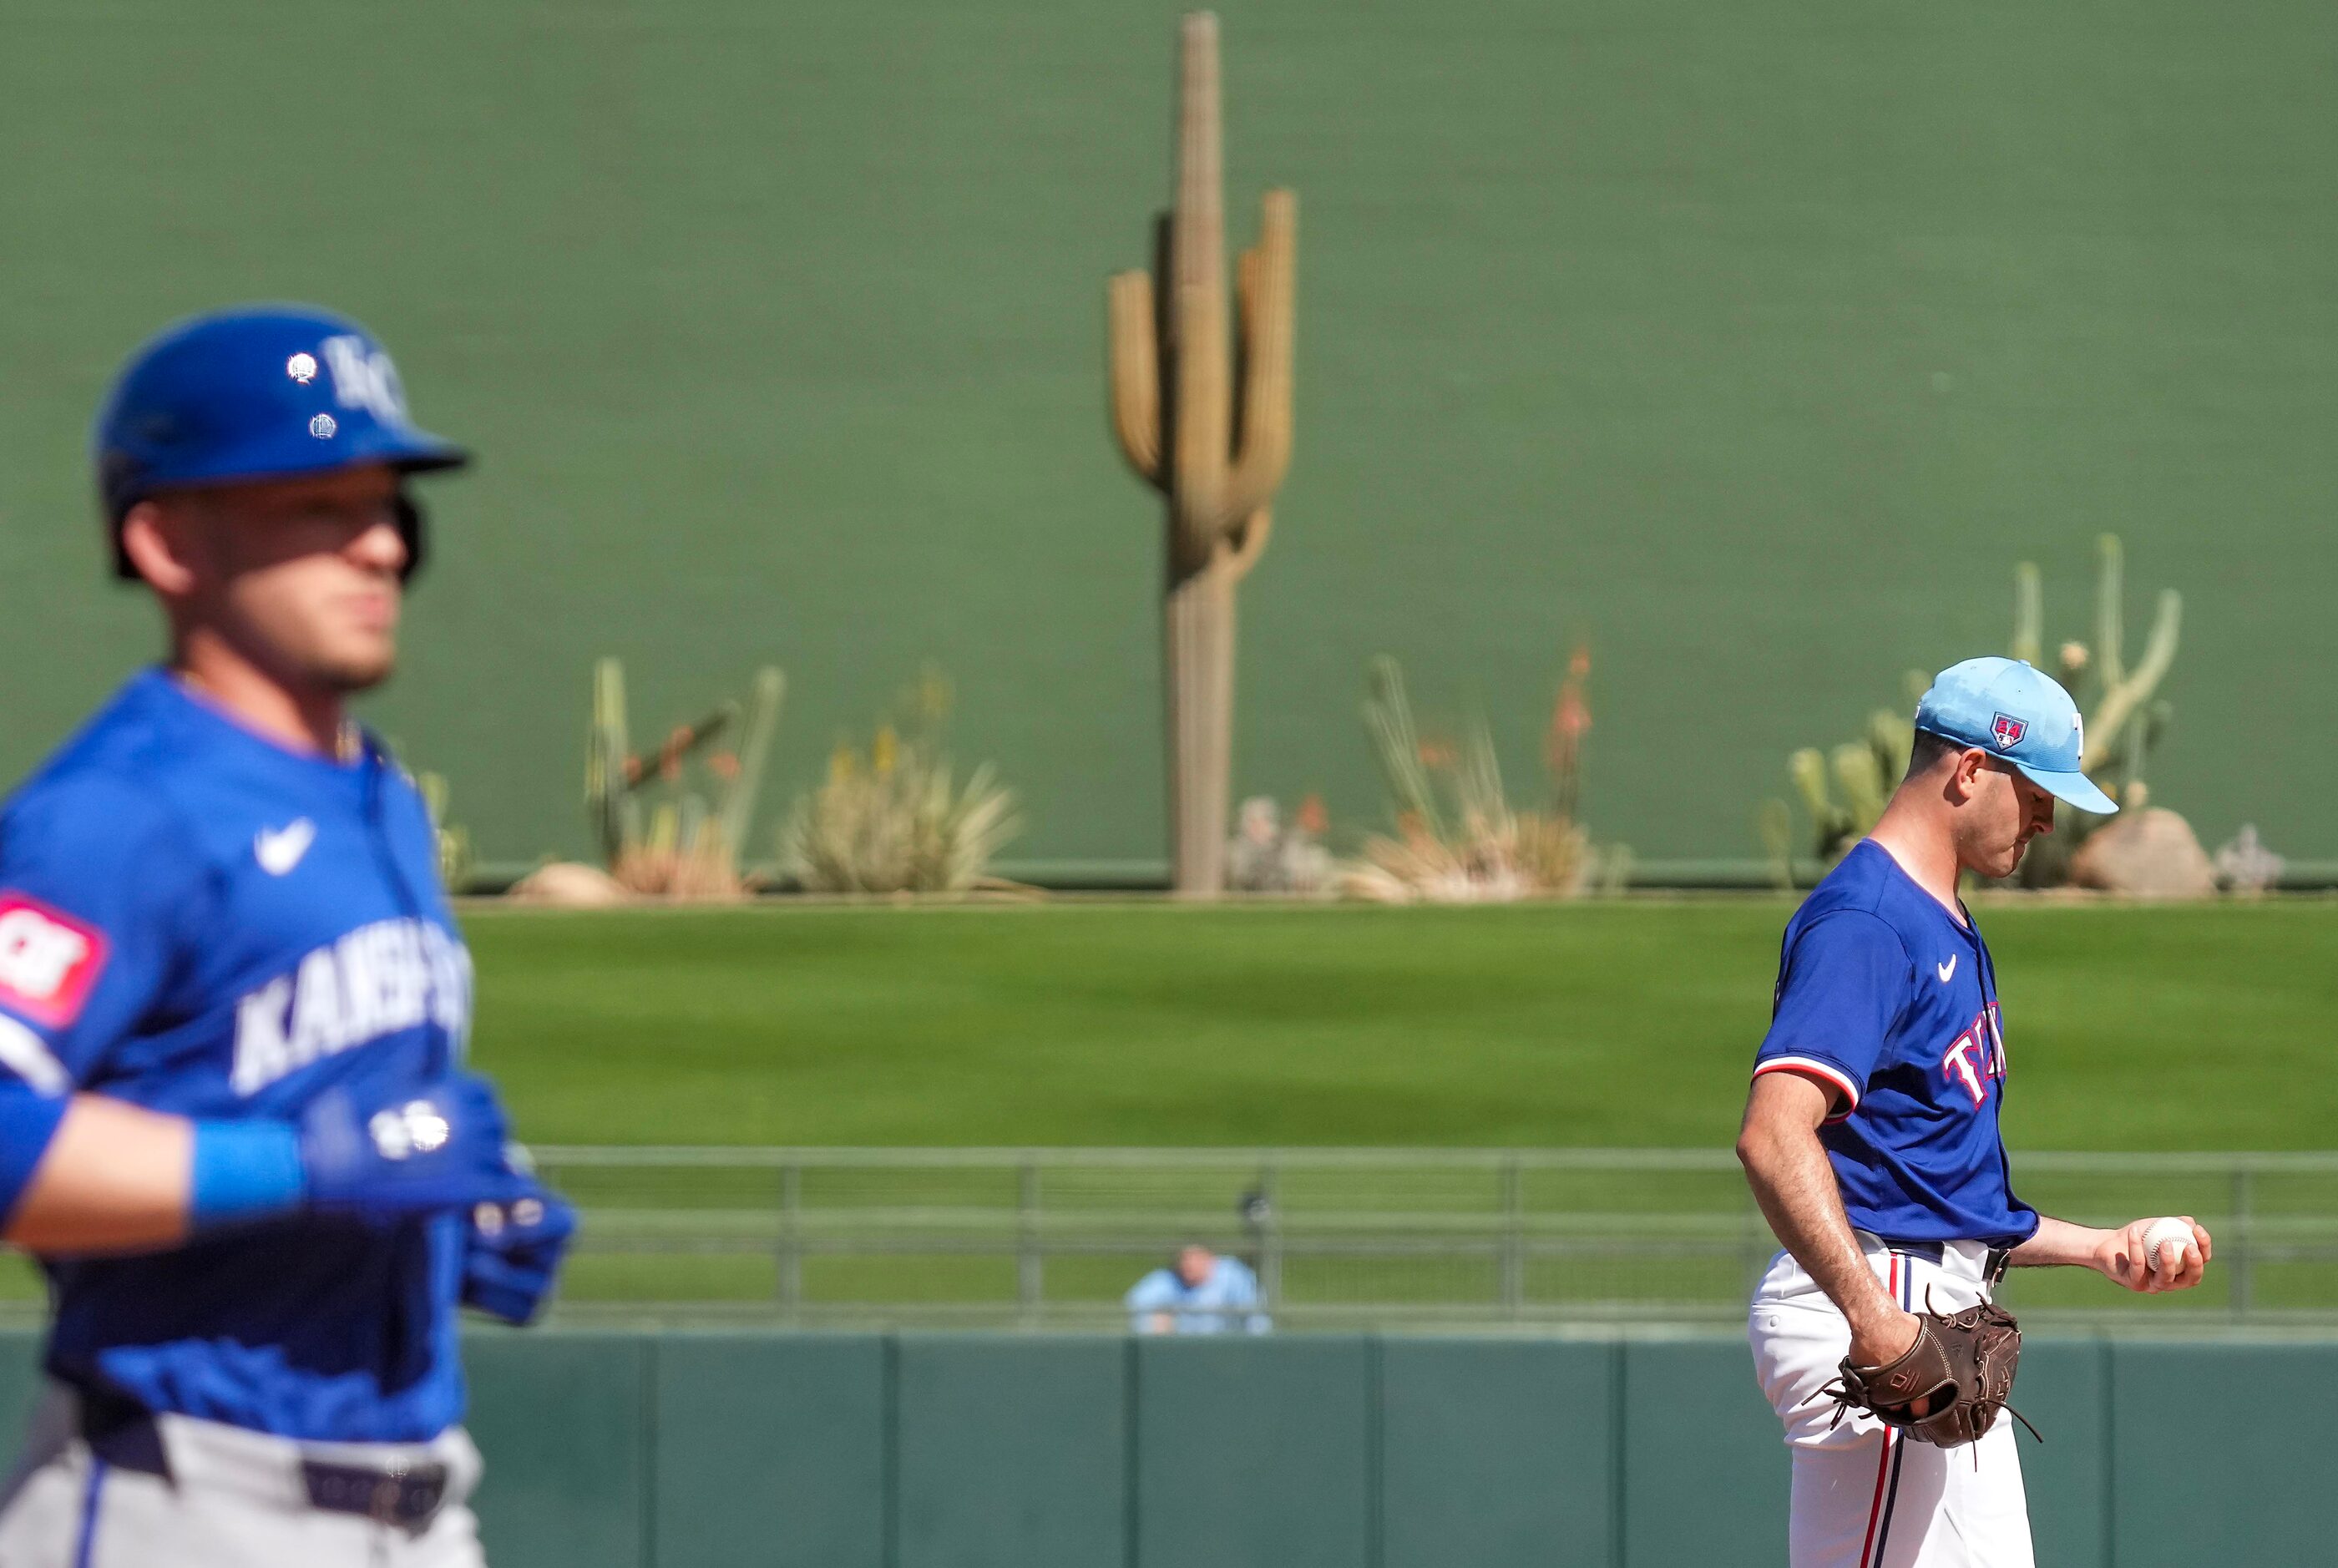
x=198 y=921
x=1890 y=1000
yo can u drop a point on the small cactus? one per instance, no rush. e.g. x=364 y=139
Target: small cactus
x=456 y=860
x=679 y=846
x=1866 y=770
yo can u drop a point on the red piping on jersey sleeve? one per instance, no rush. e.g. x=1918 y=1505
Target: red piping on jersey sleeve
x=1811 y=1067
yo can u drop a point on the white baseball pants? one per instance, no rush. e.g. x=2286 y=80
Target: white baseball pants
x=234 y=1499
x=1865 y=1495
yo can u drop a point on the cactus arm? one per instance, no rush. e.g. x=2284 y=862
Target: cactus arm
x=1864 y=788
x=1136 y=374
x=1892 y=738
x=1250 y=540
x=2123 y=697
x=1830 y=823
x=2110 y=587
x=1266 y=284
x=763 y=721
x=1773 y=825
x=605 y=791
x=1196 y=325
x=2029 y=616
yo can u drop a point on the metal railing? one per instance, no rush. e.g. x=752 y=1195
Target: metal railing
x=1338 y=1237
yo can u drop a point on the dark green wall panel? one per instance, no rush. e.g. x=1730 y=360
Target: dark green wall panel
x=20 y=1382
x=2220 y=1454
x=564 y=1421
x=733 y=1451
x=1705 y=1468
x=2061 y=1386
x=1498 y=1453
x=770 y=1451
x=1254 y=1452
x=1012 y=1452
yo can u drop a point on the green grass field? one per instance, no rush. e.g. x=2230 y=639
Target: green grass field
x=1153 y=1023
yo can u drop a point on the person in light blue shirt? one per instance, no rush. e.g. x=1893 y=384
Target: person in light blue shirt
x=1200 y=1293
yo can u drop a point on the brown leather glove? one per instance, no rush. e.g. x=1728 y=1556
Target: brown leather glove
x=1962 y=1363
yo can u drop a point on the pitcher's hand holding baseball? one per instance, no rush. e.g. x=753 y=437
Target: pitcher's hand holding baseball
x=2149 y=1256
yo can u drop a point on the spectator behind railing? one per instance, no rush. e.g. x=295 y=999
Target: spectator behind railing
x=1199 y=1293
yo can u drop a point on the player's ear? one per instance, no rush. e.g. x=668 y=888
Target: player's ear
x=1964 y=776
x=156 y=545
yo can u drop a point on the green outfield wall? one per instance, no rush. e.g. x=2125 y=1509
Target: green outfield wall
x=1753 y=342
x=861 y=1451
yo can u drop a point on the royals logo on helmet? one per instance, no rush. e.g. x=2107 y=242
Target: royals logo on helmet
x=2008 y=731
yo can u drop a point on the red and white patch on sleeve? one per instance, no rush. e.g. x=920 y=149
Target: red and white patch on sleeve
x=48 y=960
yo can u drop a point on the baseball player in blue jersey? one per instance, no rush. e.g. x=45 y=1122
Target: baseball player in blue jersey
x=235 y=1127
x=1871 y=1135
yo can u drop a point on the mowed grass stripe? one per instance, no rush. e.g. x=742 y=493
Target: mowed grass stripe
x=1625 y=1024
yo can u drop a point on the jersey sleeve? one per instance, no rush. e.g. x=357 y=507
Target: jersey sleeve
x=1157 y=1292
x=1841 y=989
x=95 y=881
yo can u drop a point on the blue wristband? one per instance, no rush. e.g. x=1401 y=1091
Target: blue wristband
x=244 y=1170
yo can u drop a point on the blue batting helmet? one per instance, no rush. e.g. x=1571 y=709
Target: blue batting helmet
x=257 y=392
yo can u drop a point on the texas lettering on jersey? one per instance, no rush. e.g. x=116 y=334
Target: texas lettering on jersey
x=1977 y=1057
x=48 y=960
x=377 y=980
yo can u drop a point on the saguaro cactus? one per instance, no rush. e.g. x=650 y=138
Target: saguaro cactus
x=1214 y=449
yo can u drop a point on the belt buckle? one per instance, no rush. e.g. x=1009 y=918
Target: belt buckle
x=389 y=1492
x=408 y=1496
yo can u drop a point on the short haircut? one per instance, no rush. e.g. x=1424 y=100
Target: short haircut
x=1929 y=749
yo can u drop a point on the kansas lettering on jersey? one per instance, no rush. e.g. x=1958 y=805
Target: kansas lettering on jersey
x=1890 y=1001
x=197 y=920
x=380 y=979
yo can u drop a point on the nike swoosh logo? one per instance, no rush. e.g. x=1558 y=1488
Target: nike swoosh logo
x=1948 y=969
x=280 y=849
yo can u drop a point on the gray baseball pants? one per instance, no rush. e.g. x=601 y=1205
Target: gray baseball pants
x=233 y=1499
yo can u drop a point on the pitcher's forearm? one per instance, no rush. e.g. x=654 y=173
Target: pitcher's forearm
x=2059 y=1244
x=1799 y=1195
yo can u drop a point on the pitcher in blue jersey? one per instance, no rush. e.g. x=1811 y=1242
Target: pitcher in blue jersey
x=235 y=1125
x=1871 y=1135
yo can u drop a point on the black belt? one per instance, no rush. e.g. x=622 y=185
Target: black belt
x=1933 y=1252
x=125 y=1436
x=408 y=1497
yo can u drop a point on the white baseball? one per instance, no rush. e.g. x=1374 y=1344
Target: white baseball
x=2164 y=1242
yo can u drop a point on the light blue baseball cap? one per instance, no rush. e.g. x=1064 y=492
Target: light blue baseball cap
x=2011 y=709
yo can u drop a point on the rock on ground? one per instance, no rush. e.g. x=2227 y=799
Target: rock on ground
x=568 y=885
x=2147 y=854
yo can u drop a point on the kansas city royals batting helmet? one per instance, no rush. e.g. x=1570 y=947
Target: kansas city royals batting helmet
x=257 y=392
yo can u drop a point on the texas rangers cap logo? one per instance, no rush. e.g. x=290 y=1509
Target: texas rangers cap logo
x=2009 y=731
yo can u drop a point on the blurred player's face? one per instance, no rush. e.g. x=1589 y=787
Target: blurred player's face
x=301 y=575
x=2002 y=811
x=1193 y=1266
